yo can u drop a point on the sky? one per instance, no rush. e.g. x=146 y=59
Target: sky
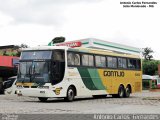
x=37 y=22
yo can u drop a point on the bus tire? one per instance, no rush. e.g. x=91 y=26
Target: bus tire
x=70 y=94
x=42 y=99
x=127 y=92
x=121 y=91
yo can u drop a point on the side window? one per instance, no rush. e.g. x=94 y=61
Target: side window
x=73 y=59
x=138 y=64
x=122 y=63
x=112 y=62
x=87 y=60
x=91 y=61
x=100 y=61
x=59 y=55
x=132 y=63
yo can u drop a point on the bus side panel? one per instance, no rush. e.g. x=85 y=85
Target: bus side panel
x=106 y=82
x=91 y=81
x=112 y=79
x=86 y=80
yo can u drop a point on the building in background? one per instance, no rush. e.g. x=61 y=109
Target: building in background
x=8 y=63
x=101 y=44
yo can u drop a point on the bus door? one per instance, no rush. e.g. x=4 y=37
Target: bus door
x=58 y=66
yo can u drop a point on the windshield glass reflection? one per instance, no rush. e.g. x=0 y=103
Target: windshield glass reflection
x=34 y=72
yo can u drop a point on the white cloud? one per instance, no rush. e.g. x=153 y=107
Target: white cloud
x=30 y=34
x=5 y=20
x=49 y=12
x=109 y=21
x=36 y=22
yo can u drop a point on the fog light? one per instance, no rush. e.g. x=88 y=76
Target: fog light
x=19 y=93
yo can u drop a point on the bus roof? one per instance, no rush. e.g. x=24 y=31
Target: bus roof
x=84 y=50
x=103 y=52
x=44 y=48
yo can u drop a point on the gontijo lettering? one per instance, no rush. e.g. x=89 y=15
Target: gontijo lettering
x=114 y=73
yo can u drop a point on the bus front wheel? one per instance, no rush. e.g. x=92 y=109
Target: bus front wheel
x=42 y=99
x=70 y=94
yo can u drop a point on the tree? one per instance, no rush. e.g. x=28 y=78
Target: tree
x=18 y=47
x=24 y=46
x=147 y=53
x=14 y=51
x=150 y=67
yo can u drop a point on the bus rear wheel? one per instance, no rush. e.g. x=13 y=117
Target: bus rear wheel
x=70 y=94
x=42 y=99
x=127 y=92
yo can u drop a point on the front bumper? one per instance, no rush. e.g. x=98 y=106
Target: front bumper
x=37 y=92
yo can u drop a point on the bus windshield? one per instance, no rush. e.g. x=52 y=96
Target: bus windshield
x=35 y=71
x=43 y=66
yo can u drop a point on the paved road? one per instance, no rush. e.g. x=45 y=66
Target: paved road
x=137 y=103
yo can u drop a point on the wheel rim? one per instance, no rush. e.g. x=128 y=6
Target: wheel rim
x=127 y=92
x=70 y=94
x=121 y=92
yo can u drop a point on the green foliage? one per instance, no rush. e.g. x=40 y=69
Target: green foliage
x=15 y=51
x=150 y=67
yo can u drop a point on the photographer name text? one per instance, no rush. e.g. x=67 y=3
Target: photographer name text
x=139 y=4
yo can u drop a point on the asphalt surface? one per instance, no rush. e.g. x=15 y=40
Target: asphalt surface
x=137 y=103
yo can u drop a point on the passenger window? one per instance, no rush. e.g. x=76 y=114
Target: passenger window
x=76 y=59
x=87 y=60
x=112 y=62
x=100 y=61
x=132 y=63
x=91 y=62
x=122 y=63
x=138 y=64
x=73 y=59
